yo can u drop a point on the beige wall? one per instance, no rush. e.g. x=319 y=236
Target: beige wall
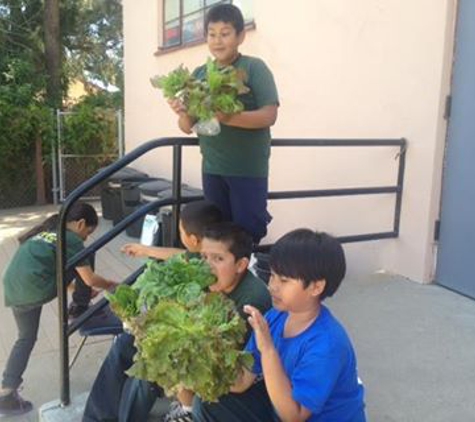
x=344 y=69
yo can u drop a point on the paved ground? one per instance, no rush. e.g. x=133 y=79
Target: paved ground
x=415 y=343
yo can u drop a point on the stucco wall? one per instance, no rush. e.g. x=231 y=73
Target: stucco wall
x=344 y=69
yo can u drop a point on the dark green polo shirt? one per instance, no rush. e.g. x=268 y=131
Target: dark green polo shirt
x=251 y=291
x=30 y=278
x=236 y=151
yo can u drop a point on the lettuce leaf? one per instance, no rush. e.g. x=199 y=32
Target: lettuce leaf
x=177 y=278
x=218 y=92
x=185 y=338
x=195 y=346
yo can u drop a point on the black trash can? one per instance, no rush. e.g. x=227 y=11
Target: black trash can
x=111 y=195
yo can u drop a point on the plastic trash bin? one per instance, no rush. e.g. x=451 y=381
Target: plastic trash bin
x=111 y=201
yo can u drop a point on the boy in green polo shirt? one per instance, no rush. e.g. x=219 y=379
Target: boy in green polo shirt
x=30 y=282
x=236 y=161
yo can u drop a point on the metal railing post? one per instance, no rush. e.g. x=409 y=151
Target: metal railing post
x=400 y=183
x=176 y=191
x=65 y=398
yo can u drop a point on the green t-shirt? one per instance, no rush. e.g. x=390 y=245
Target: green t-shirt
x=30 y=278
x=251 y=291
x=236 y=151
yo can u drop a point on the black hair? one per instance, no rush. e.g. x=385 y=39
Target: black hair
x=78 y=211
x=239 y=241
x=309 y=256
x=196 y=216
x=227 y=13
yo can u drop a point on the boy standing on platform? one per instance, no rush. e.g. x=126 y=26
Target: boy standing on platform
x=236 y=161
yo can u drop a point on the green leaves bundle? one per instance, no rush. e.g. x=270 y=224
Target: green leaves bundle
x=195 y=346
x=177 y=278
x=218 y=92
x=185 y=338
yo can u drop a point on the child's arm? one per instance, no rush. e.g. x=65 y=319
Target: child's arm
x=185 y=122
x=94 y=280
x=254 y=119
x=141 y=251
x=278 y=384
x=245 y=380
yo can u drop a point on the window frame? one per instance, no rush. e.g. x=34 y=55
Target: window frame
x=162 y=49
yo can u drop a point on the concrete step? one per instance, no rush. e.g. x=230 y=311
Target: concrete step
x=54 y=412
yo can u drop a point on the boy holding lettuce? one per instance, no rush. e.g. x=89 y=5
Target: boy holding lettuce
x=236 y=161
x=114 y=395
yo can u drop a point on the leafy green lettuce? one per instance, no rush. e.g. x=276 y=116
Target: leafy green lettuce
x=185 y=338
x=218 y=92
x=177 y=278
x=195 y=346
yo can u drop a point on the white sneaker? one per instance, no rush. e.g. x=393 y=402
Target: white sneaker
x=177 y=413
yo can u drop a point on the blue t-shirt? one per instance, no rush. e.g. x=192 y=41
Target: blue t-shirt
x=321 y=366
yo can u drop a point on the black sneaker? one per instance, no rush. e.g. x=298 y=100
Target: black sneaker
x=176 y=413
x=75 y=310
x=13 y=405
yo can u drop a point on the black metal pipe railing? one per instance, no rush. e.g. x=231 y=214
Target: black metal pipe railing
x=177 y=144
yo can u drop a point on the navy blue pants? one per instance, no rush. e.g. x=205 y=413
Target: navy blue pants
x=242 y=200
x=114 y=395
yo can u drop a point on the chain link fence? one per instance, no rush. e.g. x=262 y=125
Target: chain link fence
x=83 y=145
x=78 y=168
x=82 y=153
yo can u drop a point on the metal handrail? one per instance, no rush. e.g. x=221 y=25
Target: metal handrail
x=177 y=143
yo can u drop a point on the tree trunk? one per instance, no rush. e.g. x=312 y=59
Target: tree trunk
x=52 y=52
x=40 y=175
x=53 y=62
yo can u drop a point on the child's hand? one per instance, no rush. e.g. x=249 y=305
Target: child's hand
x=135 y=250
x=177 y=106
x=111 y=285
x=261 y=329
x=222 y=117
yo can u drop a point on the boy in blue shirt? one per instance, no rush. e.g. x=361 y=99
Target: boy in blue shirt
x=304 y=363
x=236 y=161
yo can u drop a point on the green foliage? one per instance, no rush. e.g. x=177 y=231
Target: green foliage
x=91 y=128
x=175 y=82
x=185 y=338
x=124 y=302
x=91 y=40
x=177 y=278
x=24 y=119
x=218 y=92
x=195 y=346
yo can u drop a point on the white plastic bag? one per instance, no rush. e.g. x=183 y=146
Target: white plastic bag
x=207 y=127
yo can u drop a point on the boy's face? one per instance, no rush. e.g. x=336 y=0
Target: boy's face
x=290 y=295
x=82 y=229
x=190 y=241
x=223 y=42
x=223 y=264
